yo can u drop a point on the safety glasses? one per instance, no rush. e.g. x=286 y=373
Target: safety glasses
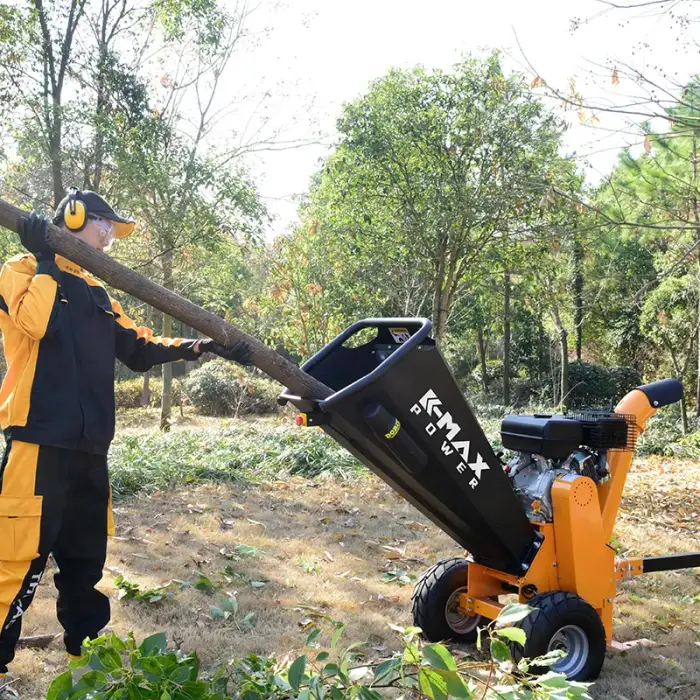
x=106 y=229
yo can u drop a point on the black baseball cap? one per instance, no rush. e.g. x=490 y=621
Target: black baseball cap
x=97 y=206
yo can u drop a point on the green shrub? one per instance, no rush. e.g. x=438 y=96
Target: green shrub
x=524 y=391
x=118 y=668
x=221 y=388
x=664 y=435
x=494 y=372
x=593 y=386
x=127 y=394
x=460 y=355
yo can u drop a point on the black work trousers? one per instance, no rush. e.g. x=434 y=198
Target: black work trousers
x=53 y=501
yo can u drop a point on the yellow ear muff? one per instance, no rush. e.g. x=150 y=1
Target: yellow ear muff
x=75 y=213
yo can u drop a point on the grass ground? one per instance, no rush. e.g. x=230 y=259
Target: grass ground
x=337 y=547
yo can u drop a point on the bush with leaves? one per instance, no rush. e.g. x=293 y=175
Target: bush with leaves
x=221 y=388
x=593 y=386
x=127 y=393
x=118 y=668
x=129 y=590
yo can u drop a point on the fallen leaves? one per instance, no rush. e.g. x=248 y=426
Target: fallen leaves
x=198 y=508
x=626 y=646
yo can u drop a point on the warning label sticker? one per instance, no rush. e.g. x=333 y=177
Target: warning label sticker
x=400 y=335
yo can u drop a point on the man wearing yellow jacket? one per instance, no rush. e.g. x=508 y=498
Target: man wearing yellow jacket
x=62 y=333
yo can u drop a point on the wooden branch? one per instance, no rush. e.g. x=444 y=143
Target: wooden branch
x=40 y=641
x=210 y=325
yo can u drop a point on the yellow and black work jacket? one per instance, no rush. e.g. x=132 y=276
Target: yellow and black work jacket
x=62 y=333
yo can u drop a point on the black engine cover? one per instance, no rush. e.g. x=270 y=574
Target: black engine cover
x=554 y=437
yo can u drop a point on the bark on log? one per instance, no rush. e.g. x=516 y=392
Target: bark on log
x=210 y=325
x=40 y=641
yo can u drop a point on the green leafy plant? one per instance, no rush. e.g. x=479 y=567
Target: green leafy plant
x=418 y=669
x=241 y=551
x=400 y=576
x=308 y=567
x=204 y=583
x=119 y=668
x=129 y=590
x=227 y=609
x=229 y=573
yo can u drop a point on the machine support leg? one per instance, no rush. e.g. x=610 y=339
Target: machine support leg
x=669 y=562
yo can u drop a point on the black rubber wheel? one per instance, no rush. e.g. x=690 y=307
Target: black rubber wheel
x=434 y=604
x=564 y=621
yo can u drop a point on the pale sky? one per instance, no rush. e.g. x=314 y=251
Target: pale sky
x=321 y=53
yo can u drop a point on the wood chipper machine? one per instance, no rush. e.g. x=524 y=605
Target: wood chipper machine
x=538 y=527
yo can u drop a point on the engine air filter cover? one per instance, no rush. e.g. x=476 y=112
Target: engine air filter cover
x=607 y=431
x=550 y=436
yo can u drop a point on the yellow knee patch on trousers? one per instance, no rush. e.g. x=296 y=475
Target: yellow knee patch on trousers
x=19 y=476
x=20 y=521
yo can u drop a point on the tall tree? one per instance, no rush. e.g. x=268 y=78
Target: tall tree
x=669 y=319
x=450 y=163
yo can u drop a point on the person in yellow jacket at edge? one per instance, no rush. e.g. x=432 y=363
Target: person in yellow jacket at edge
x=62 y=333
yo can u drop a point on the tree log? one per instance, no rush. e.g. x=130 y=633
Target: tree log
x=40 y=641
x=210 y=325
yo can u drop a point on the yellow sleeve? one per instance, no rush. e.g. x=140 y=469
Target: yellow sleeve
x=28 y=295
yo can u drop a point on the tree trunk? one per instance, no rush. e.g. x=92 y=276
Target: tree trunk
x=482 y=359
x=98 y=153
x=684 y=415
x=696 y=215
x=564 y=343
x=209 y=325
x=146 y=391
x=506 y=341
x=697 y=390
x=102 y=99
x=556 y=381
x=166 y=404
x=542 y=350
x=578 y=296
x=56 y=156
x=564 y=348
x=438 y=297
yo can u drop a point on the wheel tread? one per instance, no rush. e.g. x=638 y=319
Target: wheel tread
x=430 y=584
x=551 y=606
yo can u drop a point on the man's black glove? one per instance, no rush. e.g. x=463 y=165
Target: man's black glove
x=238 y=352
x=32 y=233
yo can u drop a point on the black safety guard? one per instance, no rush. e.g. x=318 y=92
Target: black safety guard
x=398 y=409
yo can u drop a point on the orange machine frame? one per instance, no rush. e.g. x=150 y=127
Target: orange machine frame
x=575 y=554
